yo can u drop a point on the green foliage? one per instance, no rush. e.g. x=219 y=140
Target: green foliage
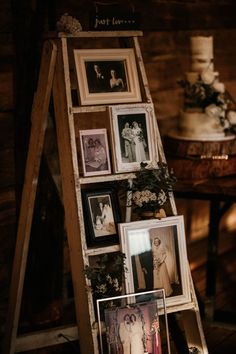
x=154 y=179
x=107 y=275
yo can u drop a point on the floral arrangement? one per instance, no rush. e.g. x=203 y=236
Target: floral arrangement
x=151 y=186
x=69 y=24
x=107 y=275
x=205 y=93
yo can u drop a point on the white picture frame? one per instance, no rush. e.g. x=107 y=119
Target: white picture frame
x=111 y=312
x=151 y=267
x=134 y=138
x=107 y=76
x=94 y=152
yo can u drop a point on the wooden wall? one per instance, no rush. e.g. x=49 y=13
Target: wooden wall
x=7 y=170
x=167 y=25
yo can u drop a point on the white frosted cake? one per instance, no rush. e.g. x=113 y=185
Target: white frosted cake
x=203 y=115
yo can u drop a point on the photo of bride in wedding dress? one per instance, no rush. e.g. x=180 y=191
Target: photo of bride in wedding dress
x=133 y=138
x=133 y=329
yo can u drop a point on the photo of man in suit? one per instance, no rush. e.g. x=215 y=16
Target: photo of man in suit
x=97 y=79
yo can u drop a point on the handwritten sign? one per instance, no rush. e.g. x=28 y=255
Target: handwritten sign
x=111 y=21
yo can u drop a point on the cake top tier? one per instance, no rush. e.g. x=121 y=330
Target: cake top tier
x=201 y=53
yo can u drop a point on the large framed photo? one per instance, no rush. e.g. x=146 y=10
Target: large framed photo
x=107 y=76
x=94 y=152
x=156 y=257
x=133 y=323
x=134 y=138
x=102 y=215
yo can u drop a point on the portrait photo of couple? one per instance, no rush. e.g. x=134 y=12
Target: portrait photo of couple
x=133 y=330
x=133 y=138
x=106 y=76
x=95 y=152
x=102 y=215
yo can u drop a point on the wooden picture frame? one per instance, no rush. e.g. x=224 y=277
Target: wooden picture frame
x=101 y=213
x=134 y=138
x=94 y=152
x=156 y=257
x=107 y=76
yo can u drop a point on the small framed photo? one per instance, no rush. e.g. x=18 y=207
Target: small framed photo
x=156 y=257
x=107 y=76
x=134 y=138
x=133 y=327
x=94 y=152
x=102 y=215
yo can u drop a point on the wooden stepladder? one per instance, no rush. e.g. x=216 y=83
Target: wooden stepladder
x=55 y=80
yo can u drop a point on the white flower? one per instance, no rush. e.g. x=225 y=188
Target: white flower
x=162 y=197
x=208 y=76
x=141 y=197
x=116 y=284
x=109 y=279
x=218 y=87
x=213 y=111
x=232 y=117
x=146 y=196
x=102 y=289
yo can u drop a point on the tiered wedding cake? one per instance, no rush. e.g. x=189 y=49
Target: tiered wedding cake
x=204 y=144
x=203 y=116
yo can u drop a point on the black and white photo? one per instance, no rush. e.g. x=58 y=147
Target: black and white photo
x=107 y=76
x=134 y=139
x=101 y=214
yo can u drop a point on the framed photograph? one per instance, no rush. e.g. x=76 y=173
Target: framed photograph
x=94 y=152
x=102 y=215
x=136 y=327
x=156 y=257
x=134 y=138
x=107 y=76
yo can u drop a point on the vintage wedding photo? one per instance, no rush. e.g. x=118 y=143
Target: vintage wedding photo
x=101 y=215
x=94 y=152
x=107 y=76
x=153 y=250
x=133 y=329
x=133 y=136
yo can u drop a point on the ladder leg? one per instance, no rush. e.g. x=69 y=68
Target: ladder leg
x=39 y=116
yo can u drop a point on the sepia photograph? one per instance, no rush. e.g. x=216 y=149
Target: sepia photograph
x=95 y=152
x=133 y=140
x=107 y=76
x=101 y=214
x=156 y=257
